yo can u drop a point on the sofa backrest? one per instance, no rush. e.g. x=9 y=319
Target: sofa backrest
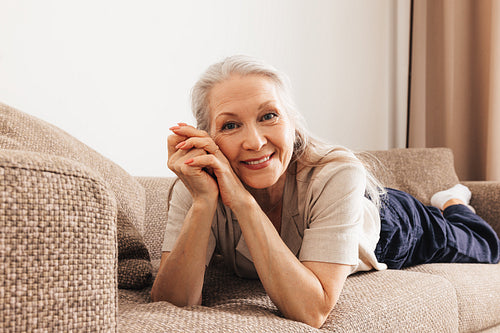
x=418 y=171
x=158 y=193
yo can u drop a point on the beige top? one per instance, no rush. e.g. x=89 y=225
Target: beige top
x=325 y=217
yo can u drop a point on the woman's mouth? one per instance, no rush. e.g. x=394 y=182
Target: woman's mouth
x=260 y=163
x=262 y=160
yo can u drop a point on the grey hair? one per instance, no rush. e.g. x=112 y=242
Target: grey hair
x=307 y=150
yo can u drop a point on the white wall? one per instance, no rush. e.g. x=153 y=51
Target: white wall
x=116 y=74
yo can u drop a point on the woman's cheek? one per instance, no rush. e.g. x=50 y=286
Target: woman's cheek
x=288 y=138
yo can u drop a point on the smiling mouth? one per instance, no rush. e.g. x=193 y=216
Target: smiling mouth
x=259 y=161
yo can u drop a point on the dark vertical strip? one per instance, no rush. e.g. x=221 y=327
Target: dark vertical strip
x=409 y=76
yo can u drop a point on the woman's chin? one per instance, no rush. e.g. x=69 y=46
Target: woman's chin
x=261 y=182
x=257 y=184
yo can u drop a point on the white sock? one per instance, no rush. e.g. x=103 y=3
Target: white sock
x=458 y=191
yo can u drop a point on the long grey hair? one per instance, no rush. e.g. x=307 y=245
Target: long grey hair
x=308 y=150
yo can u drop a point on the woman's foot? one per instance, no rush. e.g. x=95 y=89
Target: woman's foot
x=457 y=195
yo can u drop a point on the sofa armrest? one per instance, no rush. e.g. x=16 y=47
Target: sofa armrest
x=58 y=250
x=486 y=201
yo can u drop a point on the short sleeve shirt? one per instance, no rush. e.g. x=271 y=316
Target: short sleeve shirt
x=325 y=217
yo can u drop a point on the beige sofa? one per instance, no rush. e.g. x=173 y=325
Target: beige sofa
x=62 y=252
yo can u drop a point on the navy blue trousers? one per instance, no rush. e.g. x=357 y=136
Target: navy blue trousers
x=413 y=234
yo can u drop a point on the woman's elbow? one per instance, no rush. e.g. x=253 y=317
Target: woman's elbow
x=156 y=296
x=162 y=296
x=314 y=316
x=316 y=320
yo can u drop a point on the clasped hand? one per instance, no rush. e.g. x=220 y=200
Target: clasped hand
x=197 y=160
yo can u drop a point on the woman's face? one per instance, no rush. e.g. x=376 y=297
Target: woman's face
x=251 y=128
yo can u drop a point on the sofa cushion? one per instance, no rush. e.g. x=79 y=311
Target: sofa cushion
x=477 y=287
x=395 y=301
x=418 y=171
x=20 y=131
x=383 y=301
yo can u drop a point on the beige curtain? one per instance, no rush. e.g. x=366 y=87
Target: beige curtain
x=455 y=83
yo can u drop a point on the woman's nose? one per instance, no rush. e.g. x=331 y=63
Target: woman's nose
x=254 y=139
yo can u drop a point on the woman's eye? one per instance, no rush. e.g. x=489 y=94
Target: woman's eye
x=228 y=126
x=269 y=116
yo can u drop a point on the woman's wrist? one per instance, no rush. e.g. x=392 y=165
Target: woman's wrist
x=244 y=203
x=207 y=203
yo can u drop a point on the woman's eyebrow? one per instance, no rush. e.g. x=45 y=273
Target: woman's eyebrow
x=265 y=104
x=233 y=114
x=226 y=113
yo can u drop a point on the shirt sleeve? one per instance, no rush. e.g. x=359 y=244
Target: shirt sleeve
x=180 y=203
x=334 y=214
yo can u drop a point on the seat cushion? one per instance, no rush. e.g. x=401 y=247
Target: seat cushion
x=20 y=131
x=477 y=287
x=384 y=301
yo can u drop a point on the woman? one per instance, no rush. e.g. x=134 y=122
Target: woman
x=285 y=208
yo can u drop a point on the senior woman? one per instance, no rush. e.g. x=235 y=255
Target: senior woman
x=287 y=209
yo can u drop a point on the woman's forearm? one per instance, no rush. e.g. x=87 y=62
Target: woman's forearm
x=292 y=286
x=181 y=274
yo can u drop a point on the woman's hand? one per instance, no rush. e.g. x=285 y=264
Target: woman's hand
x=197 y=180
x=197 y=157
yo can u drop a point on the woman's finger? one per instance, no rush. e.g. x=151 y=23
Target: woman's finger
x=205 y=143
x=188 y=131
x=177 y=160
x=172 y=141
x=205 y=161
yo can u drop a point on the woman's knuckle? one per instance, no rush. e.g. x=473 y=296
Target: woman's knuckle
x=171 y=139
x=171 y=165
x=184 y=169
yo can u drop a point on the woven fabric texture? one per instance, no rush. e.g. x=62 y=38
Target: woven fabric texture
x=485 y=200
x=21 y=131
x=158 y=192
x=494 y=329
x=418 y=171
x=477 y=289
x=388 y=301
x=57 y=246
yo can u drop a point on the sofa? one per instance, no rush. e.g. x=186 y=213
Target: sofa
x=80 y=242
